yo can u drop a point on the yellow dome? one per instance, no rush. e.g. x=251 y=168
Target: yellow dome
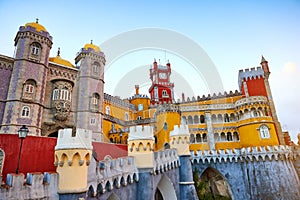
x=38 y=27
x=92 y=46
x=60 y=61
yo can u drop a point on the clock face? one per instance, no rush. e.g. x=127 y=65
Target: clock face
x=162 y=75
x=264 y=131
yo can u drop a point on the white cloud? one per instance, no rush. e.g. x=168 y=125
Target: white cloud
x=285 y=86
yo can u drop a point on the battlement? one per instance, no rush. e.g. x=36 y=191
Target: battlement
x=253 y=73
x=82 y=139
x=137 y=96
x=115 y=173
x=141 y=133
x=182 y=130
x=34 y=186
x=165 y=160
x=163 y=108
x=118 y=102
x=209 y=97
x=260 y=153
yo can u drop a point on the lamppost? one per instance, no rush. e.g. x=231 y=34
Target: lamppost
x=22 y=133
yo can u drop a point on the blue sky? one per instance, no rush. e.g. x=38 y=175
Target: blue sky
x=234 y=34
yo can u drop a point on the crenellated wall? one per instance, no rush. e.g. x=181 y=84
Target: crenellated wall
x=253 y=173
x=33 y=186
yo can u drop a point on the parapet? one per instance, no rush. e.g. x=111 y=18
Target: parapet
x=260 y=153
x=253 y=73
x=141 y=133
x=82 y=139
x=181 y=130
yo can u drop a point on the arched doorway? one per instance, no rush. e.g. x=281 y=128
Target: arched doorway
x=165 y=190
x=212 y=185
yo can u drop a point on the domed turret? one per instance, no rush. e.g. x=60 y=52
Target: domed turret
x=60 y=61
x=92 y=46
x=38 y=27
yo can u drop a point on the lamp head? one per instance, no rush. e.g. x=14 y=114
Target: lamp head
x=23 y=131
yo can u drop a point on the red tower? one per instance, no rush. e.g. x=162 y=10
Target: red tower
x=161 y=90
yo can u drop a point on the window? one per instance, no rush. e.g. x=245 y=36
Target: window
x=25 y=111
x=140 y=107
x=92 y=121
x=156 y=93
x=126 y=117
x=63 y=94
x=165 y=126
x=165 y=94
x=264 y=131
x=96 y=68
x=35 y=49
x=95 y=99
x=139 y=118
x=29 y=90
x=107 y=110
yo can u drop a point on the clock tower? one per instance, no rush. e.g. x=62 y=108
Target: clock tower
x=161 y=90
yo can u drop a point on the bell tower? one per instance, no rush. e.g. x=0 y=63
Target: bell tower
x=161 y=90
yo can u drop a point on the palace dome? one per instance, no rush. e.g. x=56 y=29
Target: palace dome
x=38 y=27
x=60 y=61
x=92 y=46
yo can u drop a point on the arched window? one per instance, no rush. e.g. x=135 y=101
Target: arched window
x=223 y=136
x=190 y=119
x=202 y=119
x=183 y=119
x=96 y=68
x=25 y=111
x=216 y=137
x=61 y=94
x=196 y=119
x=226 y=118
x=232 y=117
x=107 y=110
x=264 y=131
x=165 y=94
x=95 y=99
x=198 y=138
x=229 y=136
x=236 y=136
x=139 y=118
x=213 y=118
x=192 y=138
x=126 y=116
x=35 y=49
x=29 y=89
x=204 y=137
x=165 y=126
x=220 y=118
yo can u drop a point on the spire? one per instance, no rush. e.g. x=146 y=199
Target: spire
x=58 y=51
x=263 y=59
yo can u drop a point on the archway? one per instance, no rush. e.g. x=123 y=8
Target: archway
x=212 y=184
x=165 y=190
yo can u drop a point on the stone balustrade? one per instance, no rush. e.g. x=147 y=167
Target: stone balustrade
x=251 y=100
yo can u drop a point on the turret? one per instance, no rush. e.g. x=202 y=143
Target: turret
x=141 y=145
x=73 y=153
x=161 y=89
x=180 y=138
x=265 y=66
x=90 y=89
x=26 y=93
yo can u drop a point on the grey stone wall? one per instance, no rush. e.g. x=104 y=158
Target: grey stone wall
x=275 y=179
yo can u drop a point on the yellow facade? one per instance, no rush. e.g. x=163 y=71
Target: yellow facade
x=72 y=167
